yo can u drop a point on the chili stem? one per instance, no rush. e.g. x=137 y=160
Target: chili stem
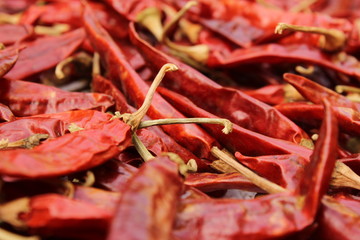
x=96 y=64
x=175 y=20
x=141 y=149
x=261 y=182
x=135 y=118
x=150 y=18
x=343 y=176
x=331 y=39
x=28 y=142
x=344 y=88
x=226 y=123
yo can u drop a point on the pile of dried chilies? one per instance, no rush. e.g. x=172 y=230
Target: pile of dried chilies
x=177 y=119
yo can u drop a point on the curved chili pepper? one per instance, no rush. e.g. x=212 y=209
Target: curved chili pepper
x=8 y=57
x=149 y=202
x=208 y=182
x=240 y=139
x=5 y=113
x=271 y=94
x=337 y=221
x=44 y=53
x=225 y=102
x=274 y=53
x=315 y=93
x=190 y=136
x=285 y=170
x=58 y=156
x=282 y=214
x=25 y=127
x=348 y=118
x=46 y=99
x=103 y=85
x=11 y=33
x=55 y=215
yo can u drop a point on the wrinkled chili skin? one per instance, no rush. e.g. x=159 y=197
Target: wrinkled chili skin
x=57 y=157
x=8 y=57
x=149 y=202
x=56 y=215
x=103 y=85
x=251 y=143
x=229 y=103
x=14 y=33
x=5 y=113
x=190 y=136
x=52 y=50
x=315 y=93
x=28 y=98
x=312 y=114
x=26 y=127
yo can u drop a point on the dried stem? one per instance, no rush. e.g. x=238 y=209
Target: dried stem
x=28 y=142
x=226 y=123
x=345 y=88
x=150 y=18
x=141 y=149
x=330 y=39
x=96 y=70
x=175 y=20
x=343 y=176
x=307 y=71
x=81 y=57
x=199 y=53
x=54 y=30
x=268 y=5
x=184 y=168
x=261 y=182
x=135 y=118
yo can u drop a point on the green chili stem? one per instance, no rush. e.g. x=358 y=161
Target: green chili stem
x=226 y=123
x=261 y=182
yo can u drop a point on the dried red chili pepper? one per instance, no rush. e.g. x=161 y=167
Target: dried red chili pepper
x=240 y=139
x=284 y=170
x=46 y=99
x=58 y=156
x=103 y=85
x=314 y=92
x=5 y=113
x=271 y=94
x=208 y=182
x=52 y=50
x=190 y=136
x=8 y=57
x=12 y=33
x=283 y=214
x=274 y=53
x=337 y=221
x=131 y=8
x=149 y=202
x=225 y=102
x=348 y=118
x=15 y=6
x=25 y=127
x=55 y=215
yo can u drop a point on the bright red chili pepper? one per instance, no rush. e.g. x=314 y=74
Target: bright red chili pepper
x=12 y=33
x=225 y=102
x=240 y=139
x=59 y=156
x=190 y=136
x=27 y=98
x=8 y=57
x=281 y=214
x=45 y=53
x=148 y=203
x=348 y=118
x=315 y=93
